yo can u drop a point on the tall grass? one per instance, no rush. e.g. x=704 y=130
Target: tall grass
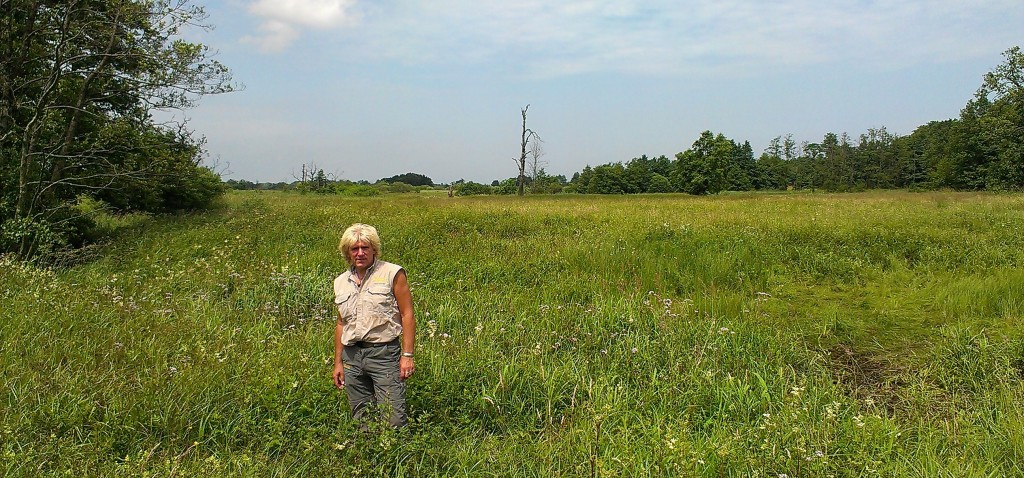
x=741 y=335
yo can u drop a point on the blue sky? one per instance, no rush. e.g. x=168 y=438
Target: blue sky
x=370 y=89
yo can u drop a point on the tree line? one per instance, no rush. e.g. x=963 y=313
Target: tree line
x=983 y=149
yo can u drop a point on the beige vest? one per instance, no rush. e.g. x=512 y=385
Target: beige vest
x=369 y=312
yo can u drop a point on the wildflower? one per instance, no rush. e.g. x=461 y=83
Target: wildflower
x=832 y=409
x=635 y=350
x=795 y=391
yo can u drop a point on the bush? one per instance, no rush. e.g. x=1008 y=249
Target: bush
x=472 y=189
x=400 y=187
x=506 y=187
x=193 y=188
x=26 y=237
x=659 y=184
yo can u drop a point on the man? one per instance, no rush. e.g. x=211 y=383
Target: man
x=376 y=330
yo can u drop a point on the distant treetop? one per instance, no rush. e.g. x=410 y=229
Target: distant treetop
x=411 y=179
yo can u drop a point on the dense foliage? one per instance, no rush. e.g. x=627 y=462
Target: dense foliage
x=79 y=83
x=412 y=179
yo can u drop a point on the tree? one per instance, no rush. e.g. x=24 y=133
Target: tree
x=836 y=171
x=741 y=170
x=701 y=169
x=536 y=166
x=771 y=172
x=528 y=136
x=607 y=179
x=928 y=152
x=984 y=148
x=470 y=188
x=637 y=176
x=997 y=116
x=79 y=80
x=506 y=187
x=876 y=158
x=314 y=179
x=412 y=179
x=659 y=184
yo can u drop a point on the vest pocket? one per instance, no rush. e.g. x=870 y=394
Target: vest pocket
x=383 y=301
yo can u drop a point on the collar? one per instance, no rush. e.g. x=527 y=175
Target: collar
x=369 y=271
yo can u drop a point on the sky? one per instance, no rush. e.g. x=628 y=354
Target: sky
x=371 y=89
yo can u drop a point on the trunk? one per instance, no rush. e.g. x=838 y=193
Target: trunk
x=81 y=101
x=521 y=183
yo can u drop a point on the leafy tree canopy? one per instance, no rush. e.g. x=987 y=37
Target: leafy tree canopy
x=79 y=81
x=411 y=179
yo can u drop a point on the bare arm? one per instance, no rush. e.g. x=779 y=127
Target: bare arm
x=339 y=366
x=404 y=298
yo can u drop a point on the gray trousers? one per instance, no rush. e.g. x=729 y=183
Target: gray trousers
x=372 y=378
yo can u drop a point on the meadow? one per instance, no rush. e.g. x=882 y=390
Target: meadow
x=765 y=335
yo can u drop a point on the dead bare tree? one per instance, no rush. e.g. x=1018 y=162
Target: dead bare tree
x=535 y=165
x=528 y=135
x=314 y=178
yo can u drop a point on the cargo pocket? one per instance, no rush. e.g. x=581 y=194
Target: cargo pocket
x=383 y=300
x=344 y=304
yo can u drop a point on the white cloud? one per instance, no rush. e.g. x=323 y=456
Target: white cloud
x=542 y=38
x=284 y=19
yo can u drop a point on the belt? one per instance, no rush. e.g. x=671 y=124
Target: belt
x=361 y=344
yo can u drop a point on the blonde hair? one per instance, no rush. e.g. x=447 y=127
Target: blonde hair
x=356 y=233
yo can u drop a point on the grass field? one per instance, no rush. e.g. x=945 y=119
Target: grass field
x=872 y=334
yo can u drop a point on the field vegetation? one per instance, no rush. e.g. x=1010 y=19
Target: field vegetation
x=790 y=334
